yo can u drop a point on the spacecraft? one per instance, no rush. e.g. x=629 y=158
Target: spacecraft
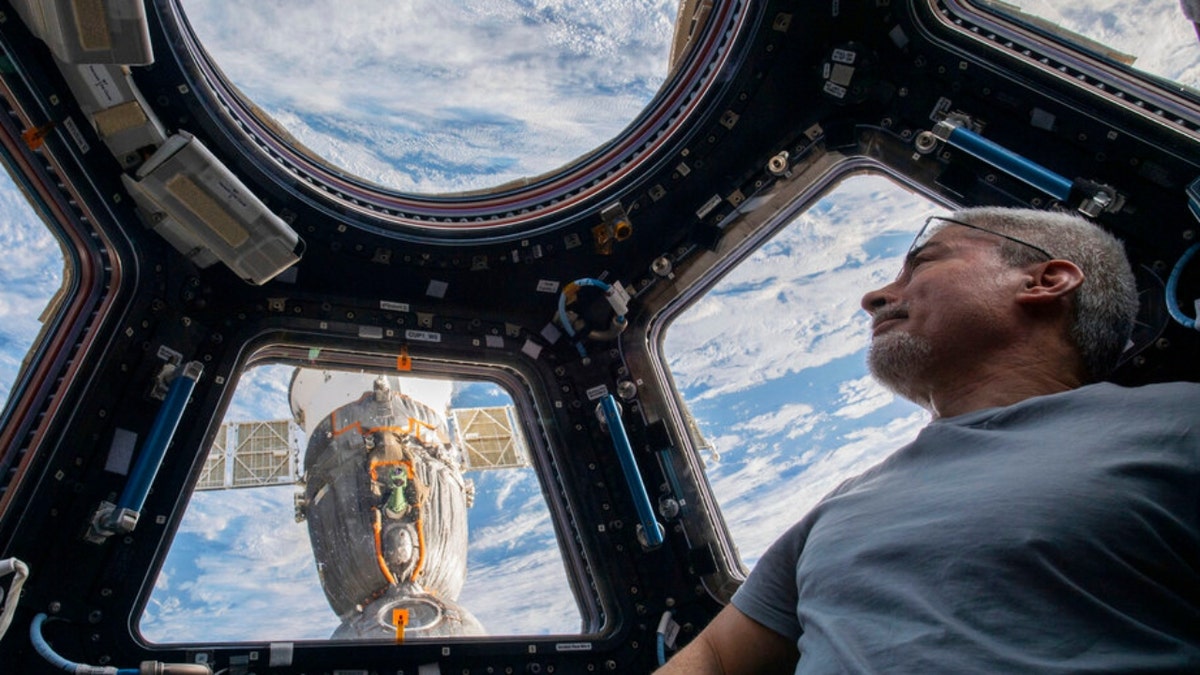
x=386 y=503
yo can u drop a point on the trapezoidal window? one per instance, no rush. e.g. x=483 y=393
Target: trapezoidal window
x=771 y=362
x=433 y=97
x=28 y=280
x=1156 y=37
x=363 y=506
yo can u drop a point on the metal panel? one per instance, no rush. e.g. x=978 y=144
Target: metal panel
x=490 y=438
x=250 y=454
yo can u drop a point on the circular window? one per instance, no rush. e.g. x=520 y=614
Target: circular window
x=434 y=97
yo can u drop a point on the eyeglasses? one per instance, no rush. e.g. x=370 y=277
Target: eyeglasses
x=924 y=235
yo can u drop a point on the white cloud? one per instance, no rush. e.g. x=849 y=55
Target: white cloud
x=1155 y=32
x=432 y=96
x=758 y=507
x=861 y=397
x=794 y=304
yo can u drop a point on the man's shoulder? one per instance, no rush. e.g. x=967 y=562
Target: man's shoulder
x=1149 y=401
x=1155 y=391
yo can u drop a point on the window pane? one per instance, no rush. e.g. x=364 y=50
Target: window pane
x=393 y=520
x=434 y=96
x=771 y=361
x=28 y=280
x=1156 y=34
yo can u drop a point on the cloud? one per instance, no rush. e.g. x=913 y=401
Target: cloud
x=758 y=505
x=861 y=397
x=27 y=280
x=772 y=358
x=794 y=304
x=430 y=96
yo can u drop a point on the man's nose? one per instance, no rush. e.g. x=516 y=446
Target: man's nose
x=877 y=299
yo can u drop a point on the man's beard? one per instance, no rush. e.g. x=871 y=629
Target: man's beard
x=896 y=359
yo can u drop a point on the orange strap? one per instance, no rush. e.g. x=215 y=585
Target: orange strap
x=400 y=621
x=379 y=522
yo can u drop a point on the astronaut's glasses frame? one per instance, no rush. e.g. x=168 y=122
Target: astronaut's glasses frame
x=925 y=233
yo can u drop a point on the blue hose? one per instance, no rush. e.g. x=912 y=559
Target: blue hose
x=1173 y=288
x=46 y=652
x=562 y=308
x=661 y=642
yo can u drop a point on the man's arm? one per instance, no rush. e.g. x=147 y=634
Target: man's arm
x=734 y=644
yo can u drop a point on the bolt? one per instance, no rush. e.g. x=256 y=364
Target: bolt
x=661 y=266
x=926 y=142
x=778 y=165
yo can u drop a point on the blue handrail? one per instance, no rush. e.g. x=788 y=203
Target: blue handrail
x=637 y=489
x=133 y=497
x=1010 y=162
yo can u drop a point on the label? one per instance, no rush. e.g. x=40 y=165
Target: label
x=280 y=654
x=104 y=90
x=393 y=306
x=437 y=289
x=709 y=205
x=547 y=286
x=834 y=90
x=843 y=56
x=596 y=392
x=78 y=137
x=573 y=647
x=423 y=336
x=531 y=349
x=120 y=453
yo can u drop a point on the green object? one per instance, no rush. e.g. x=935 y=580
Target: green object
x=397 y=502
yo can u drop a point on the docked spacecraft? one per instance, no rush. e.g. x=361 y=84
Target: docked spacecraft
x=386 y=506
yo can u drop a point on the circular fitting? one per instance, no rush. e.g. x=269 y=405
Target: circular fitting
x=626 y=389
x=926 y=142
x=661 y=266
x=600 y=414
x=778 y=165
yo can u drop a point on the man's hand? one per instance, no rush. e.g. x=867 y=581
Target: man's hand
x=734 y=644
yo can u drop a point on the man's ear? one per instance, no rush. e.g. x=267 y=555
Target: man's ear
x=1050 y=281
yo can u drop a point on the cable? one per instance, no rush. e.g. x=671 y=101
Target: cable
x=1173 y=287
x=43 y=648
x=11 y=566
x=664 y=625
x=565 y=319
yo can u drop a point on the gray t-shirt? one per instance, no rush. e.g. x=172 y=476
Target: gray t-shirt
x=1060 y=534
